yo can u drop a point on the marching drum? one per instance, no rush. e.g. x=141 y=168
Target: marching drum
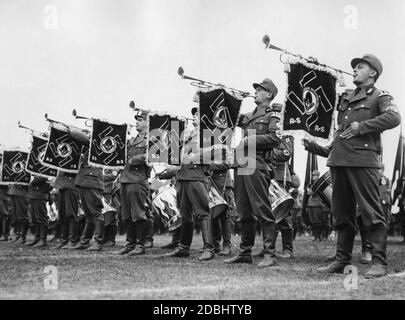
x=323 y=188
x=52 y=212
x=217 y=203
x=281 y=201
x=166 y=203
x=107 y=207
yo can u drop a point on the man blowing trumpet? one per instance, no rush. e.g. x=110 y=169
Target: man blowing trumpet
x=363 y=114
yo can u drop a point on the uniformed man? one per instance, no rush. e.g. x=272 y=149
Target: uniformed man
x=315 y=208
x=192 y=196
x=353 y=160
x=68 y=210
x=253 y=175
x=89 y=182
x=19 y=212
x=110 y=217
x=135 y=207
x=38 y=195
x=4 y=213
x=222 y=224
x=280 y=157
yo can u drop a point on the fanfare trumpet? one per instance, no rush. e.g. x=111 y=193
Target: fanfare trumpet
x=66 y=126
x=32 y=130
x=206 y=84
x=269 y=45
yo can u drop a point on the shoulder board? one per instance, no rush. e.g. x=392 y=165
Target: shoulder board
x=384 y=93
x=273 y=114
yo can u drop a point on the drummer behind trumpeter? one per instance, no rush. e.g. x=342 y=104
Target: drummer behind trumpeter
x=353 y=160
x=192 y=196
x=253 y=175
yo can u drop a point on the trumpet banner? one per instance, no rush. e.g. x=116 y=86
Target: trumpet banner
x=62 y=150
x=108 y=148
x=13 y=164
x=37 y=152
x=165 y=139
x=219 y=112
x=310 y=101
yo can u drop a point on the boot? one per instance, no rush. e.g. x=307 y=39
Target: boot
x=178 y=253
x=23 y=232
x=44 y=233
x=141 y=231
x=80 y=246
x=149 y=234
x=366 y=257
x=37 y=236
x=139 y=250
x=206 y=231
x=344 y=248
x=6 y=230
x=330 y=258
x=226 y=236
x=74 y=231
x=259 y=254
x=99 y=232
x=124 y=250
x=88 y=232
x=131 y=238
x=269 y=244
x=226 y=251
x=175 y=240
x=95 y=247
x=111 y=234
x=315 y=231
x=216 y=234
x=186 y=237
x=287 y=243
x=248 y=233
x=378 y=240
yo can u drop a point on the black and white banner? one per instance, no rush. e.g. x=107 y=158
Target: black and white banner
x=62 y=150
x=37 y=152
x=108 y=147
x=165 y=139
x=310 y=101
x=219 y=112
x=13 y=163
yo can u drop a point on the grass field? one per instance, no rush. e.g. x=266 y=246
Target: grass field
x=102 y=275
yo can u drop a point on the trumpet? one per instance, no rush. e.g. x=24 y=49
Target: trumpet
x=141 y=114
x=269 y=45
x=68 y=127
x=206 y=84
x=32 y=130
x=74 y=113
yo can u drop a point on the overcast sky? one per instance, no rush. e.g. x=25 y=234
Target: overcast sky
x=97 y=55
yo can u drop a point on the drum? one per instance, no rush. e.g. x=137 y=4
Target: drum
x=217 y=203
x=281 y=201
x=107 y=207
x=52 y=212
x=166 y=203
x=323 y=188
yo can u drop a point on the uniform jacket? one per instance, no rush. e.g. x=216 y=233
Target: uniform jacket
x=280 y=158
x=109 y=177
x=136 y=170
x=90 y=177
x=221 y=177
x=313 y=199
x=17 y=190
x=65 y=180
x=265 y=122
x=375 y=112
x=384 y=186
x=192 y=168
x=39 y=189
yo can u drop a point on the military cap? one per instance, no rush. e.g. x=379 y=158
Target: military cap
x=267 y=85
x=371 y=60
